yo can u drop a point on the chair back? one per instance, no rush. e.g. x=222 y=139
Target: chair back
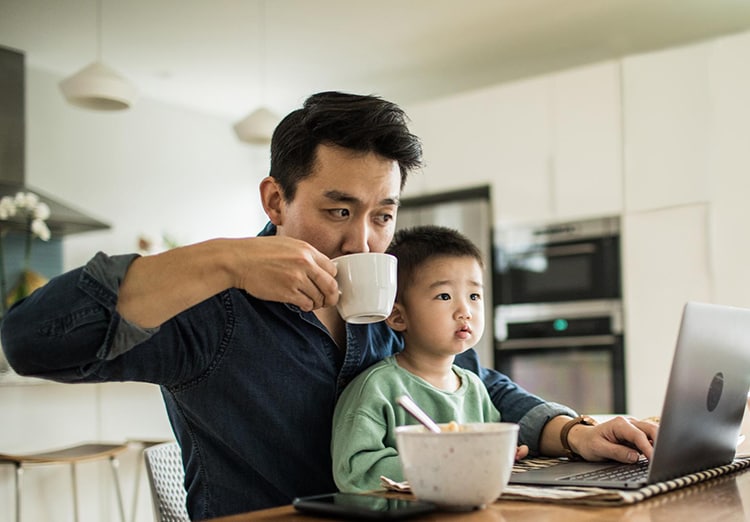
x=166 y=477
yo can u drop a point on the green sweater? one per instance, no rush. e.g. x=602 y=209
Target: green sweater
x=363 y=446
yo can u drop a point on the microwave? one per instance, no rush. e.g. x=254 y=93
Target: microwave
x=561 y=262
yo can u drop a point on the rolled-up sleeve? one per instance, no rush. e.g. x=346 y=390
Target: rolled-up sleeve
x=532 y=424
x=63 y=329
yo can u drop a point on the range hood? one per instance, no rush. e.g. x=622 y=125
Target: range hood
x=63 y=219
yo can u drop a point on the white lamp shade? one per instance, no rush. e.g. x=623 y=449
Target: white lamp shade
x=98 y=87
x=257 y=127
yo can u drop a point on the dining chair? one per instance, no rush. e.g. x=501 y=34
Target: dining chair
x=140 y=445
x=166 y=477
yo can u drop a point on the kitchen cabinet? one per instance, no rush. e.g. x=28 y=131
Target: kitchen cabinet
x=497 y=137
x=729 y=169
x=666 y=121
x=666 y=262
x=549 y=146
x=586 y=141
x=521 y=173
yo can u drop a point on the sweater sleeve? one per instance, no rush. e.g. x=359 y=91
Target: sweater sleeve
x=363 y=445
x=359 y=455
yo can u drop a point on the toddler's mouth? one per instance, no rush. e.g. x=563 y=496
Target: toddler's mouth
x=464 y=332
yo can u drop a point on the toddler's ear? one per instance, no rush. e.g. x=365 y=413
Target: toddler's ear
x=397 y=320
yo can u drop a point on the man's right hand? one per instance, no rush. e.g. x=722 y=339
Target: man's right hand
x=274 y=268
x=286 y=270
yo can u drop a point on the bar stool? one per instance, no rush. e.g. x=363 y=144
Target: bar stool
x=72 y=456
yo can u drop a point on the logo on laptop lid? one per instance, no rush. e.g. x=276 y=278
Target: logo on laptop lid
x=714 y=391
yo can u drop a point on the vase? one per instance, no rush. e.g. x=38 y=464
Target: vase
x=27 y=283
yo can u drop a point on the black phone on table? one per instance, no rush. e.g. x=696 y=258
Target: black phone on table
x=362 y=506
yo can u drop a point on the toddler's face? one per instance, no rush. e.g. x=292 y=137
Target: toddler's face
x=443 y=306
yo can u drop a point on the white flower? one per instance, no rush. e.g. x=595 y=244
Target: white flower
x=41 y=211
x=32 y=207
x=7 y=208
x=27 y=200
x=40 y=229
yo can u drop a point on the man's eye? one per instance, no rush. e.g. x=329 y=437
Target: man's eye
x=385 y=218
x=339 y=212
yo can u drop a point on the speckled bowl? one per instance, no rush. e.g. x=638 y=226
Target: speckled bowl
x=460 y=470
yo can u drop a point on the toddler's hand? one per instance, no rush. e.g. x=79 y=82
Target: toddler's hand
x=522 y=451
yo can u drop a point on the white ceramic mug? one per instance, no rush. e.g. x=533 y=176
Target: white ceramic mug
x=367 y=286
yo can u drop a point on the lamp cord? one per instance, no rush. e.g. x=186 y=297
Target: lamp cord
x=99 y=30
x=262 y=49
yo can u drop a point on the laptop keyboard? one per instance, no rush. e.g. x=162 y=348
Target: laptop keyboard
x=621 y=473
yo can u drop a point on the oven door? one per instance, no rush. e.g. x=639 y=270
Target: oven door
x=583 y=373
x=571 y=353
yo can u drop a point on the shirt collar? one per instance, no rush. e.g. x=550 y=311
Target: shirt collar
x=268 y=230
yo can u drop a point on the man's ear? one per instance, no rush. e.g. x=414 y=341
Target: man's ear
x=272 y=198
x=396 y=320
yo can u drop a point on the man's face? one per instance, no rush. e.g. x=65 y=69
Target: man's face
x=347 y=205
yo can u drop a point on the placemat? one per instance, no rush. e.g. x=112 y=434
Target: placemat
x=591 y=495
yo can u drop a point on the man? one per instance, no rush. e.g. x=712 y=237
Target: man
x=243 y=335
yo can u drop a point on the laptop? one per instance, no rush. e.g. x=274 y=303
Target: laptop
x=702 y=412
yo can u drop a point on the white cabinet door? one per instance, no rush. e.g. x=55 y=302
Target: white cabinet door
x=665 y=264
x=550 y=146
x=666 y=127
x=587 y=141
x=521 y=182
x=497 y=137
x=730 y=168
x=458 y=139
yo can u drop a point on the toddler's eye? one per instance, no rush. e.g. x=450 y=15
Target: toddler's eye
x=443 y=297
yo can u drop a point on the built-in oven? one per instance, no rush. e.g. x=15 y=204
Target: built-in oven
x=557 y=262
x=570 y=353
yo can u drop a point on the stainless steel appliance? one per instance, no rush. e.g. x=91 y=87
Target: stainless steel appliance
x=572 y=353
x=558 y=312
x=559 y=262
x=469 y=211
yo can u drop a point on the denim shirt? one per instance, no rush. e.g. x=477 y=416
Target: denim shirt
x=249 y=385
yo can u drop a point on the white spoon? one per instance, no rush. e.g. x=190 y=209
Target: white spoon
x=418 y=413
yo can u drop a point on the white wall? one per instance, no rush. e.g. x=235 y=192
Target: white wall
x=150 y=170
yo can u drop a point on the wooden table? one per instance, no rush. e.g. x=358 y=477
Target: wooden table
x=725 y=499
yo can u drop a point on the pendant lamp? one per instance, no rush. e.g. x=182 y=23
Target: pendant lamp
x=98 y=86
x=258 y=126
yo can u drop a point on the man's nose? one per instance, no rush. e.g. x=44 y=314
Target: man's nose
x=357 y=237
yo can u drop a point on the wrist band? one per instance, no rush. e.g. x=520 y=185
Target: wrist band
x=581 y=419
